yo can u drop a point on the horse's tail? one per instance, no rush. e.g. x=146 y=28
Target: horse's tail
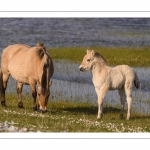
x=136 y=82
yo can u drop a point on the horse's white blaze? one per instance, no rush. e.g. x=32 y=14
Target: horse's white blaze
x=106 y=78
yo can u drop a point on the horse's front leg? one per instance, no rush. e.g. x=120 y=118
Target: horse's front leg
x=34 y=95
x=101 y=92
x=19 y=91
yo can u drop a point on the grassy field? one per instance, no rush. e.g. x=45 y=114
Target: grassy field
x=69 y=116
x=136 y=57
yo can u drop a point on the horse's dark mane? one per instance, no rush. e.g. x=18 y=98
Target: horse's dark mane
x=44 y=80
x=100 y=58
x=41 y=50
x=40 y=53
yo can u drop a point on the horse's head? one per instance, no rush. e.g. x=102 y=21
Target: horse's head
x=87 y=61
x=45 y=70
x=43 y=96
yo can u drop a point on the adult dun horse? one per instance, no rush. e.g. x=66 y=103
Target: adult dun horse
x=27 y=65
x=105 y=78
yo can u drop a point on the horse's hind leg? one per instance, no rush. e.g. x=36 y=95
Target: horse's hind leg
x=122 y=100
x=4 y=79
x=128 y=90
x=19 y=91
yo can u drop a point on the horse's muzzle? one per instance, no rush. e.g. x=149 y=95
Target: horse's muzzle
x=42 y=111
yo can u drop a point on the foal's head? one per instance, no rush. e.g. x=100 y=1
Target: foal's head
x=89 y=60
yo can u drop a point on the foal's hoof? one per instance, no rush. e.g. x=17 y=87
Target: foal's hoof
x=3 y=103
x=121 y=117
x=99 y=117
x=20 y=105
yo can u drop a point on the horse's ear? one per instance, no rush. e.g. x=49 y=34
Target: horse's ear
x=39 y=44
x=50 y=83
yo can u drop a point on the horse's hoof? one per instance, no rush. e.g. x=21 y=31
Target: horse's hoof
x=35 y=108
x=3 y=103
x=20 y=105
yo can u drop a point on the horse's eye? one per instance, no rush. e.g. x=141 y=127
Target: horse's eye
x=88 y=59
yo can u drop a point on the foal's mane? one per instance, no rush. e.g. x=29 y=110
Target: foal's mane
x=101 y=58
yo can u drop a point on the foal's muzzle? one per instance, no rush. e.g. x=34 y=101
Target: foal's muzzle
x=81 y=69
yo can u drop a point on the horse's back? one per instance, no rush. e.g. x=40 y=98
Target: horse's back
x=12 y=50
x=14 y=61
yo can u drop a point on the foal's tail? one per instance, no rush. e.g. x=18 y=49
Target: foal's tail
x=136 y=82
x=1 y=81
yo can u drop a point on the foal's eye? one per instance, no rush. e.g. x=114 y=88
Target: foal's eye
x=88 y=59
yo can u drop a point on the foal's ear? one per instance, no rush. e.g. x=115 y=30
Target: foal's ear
x=88 y=51
x=92 y=52
x=50 y=83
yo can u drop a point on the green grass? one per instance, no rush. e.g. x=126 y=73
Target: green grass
x=70 y=116
x=135 y=57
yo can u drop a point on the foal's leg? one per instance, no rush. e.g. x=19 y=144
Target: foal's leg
x=5 y=78
x=34 y=95
x=19 y=91
x=128 y=90
x=122 y=100
x=101 y=94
